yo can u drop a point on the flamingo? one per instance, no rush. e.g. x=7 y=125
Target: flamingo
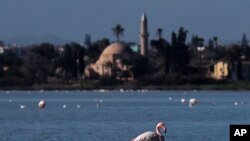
x=22 y=106
x=192 y=102
x=183 y=100
x=42 y=104
x=152 y=136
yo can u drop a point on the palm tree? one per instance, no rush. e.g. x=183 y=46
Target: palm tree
x=118 y=30
x=159 y=33
x=215 y=38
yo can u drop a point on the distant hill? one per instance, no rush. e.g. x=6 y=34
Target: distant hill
x=30 y=39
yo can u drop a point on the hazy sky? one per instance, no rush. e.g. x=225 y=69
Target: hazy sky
x=72 y=19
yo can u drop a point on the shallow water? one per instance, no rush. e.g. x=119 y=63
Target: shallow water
x=116 y=116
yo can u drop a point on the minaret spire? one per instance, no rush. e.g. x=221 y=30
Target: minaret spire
x=144 y=35
x=144 y=16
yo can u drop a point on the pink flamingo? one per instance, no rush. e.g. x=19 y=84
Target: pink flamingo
x=152 y=136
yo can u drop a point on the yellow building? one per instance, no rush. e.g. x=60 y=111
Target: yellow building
x=220 y=70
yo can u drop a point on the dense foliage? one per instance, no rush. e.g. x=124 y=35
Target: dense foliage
x=174 y=62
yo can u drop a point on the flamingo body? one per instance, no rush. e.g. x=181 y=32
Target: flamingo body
x=152 y=136
x=149 y=136
x=193 y=102
x=42 y=104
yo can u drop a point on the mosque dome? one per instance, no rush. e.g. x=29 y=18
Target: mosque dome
x=117 y=50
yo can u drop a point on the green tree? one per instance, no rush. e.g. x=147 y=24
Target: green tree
x=118 y=31
x=233 y=55
x=245 y=47
x=211 y=44
x=96 y=49
x=38 y=64
x=159 y=32
x=10 y=69
x=72 y=61
x=163 y=48
x=1 y=43
x=244 y=42
x=139 y=66
x=215 y=39
x=179 y=51
x=197 y=41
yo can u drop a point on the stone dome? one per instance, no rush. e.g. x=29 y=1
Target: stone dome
x=114 y=50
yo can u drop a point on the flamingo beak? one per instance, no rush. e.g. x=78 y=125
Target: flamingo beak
x=165 y=130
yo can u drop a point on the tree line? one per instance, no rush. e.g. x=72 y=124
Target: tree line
x=171 y=62
x=41 y=63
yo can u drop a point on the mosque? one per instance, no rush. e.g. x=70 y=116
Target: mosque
x=116 y=59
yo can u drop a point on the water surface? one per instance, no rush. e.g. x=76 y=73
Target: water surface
x=116 y=116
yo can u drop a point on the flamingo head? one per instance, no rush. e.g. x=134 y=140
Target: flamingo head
x=161 y=125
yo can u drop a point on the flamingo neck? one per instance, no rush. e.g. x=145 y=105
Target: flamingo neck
x=158 y=131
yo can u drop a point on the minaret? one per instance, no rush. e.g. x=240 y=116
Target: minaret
x=144 y=35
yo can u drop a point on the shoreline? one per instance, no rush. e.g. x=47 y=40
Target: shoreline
x=236 y=86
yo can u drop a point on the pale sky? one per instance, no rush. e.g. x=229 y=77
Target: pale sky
x=72 y=19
